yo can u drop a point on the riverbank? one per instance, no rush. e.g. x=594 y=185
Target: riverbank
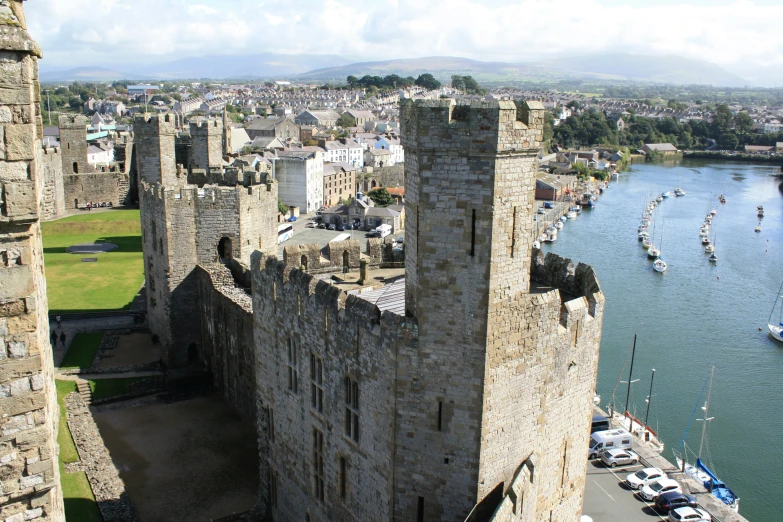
x=733 y=156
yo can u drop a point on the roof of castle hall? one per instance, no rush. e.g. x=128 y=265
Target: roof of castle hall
x=389 y=297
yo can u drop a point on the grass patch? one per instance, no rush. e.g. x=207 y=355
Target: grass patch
x=78 y=499
x=102 y=388
x=109 y=284
x=82 y=350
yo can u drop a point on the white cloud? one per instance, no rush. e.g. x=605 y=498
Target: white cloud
x=86 y=32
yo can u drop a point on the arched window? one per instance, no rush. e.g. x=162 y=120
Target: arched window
x=346 y=259
x=303 y=264
x=224 y=249
x=75 y=167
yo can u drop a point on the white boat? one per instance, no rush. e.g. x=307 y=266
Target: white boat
x=666 y=194
x=659 y=265
x=571 y=214
x=551 y=238
x=659 y=199
x=760 y=210
x=713 y=212
x=653 y=252
x=709 y=249
x=700 y=471
x=536 y=244
x=679 y=192
x=541 y=238
x=704 y=232
x=705 y=240
x=758 y=228
x=713 y=258
x=776 y=330
x=559 y=225
x=646 y=243
x=643 y=235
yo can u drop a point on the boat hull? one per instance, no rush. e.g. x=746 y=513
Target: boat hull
x=776 y=331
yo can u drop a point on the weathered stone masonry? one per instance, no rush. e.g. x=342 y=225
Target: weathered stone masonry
x=485 y=386
x=29 y=475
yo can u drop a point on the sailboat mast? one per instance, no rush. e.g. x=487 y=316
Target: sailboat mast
x=706 y=411
x=630 y=377
x=649 y=399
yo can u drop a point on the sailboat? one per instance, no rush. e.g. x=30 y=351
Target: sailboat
x=713 y=256
x=777 y=329
x=659 y=265
x=700 y=471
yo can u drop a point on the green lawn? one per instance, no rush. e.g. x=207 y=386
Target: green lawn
x=102 y=388
x=80 y=505
x=109 y=284
x=82 y=350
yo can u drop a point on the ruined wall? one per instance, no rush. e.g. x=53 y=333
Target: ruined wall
x=50 y=162
x=95 y=187
x=333 y=258
x=393 y=176
x=352 y=339
x=73 y=143
x=29 y=474
x=227 y=338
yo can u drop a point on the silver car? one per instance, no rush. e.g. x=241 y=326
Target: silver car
x=619 y=457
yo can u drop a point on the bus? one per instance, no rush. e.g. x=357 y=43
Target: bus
x=285 y=232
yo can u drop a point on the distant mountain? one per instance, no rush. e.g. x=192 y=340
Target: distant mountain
x=440 y=66
x=645 y=68
x=84 y=74
x=266 y=65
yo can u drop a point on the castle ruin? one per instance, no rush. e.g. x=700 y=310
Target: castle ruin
x=29 y=473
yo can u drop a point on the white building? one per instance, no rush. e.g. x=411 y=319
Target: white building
x=355 y=153
x=99 y=156
x=300 y=178
x=392 y=143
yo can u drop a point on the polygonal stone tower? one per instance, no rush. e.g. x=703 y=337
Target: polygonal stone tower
x=73 y=143
x=501 y=379
x=207 y=138
x=29 y=474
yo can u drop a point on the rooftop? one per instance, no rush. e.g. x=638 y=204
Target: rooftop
x=389 y=297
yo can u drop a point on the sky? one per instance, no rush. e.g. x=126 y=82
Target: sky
x=743 y=36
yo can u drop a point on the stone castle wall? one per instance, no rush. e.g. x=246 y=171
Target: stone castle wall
x=227 y=337
x=29 y=473
x=50 y=161
x=207 y=144
x=352 y=339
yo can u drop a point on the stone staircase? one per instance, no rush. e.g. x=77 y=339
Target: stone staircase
x=83 y=387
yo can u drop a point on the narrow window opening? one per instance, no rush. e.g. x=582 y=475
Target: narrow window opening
x=293 y=372
x=273 y=488
x=565 y=461
x=318 y=465
x=420 y=510
x=473 y=234
x=75 y=168
x=352 y=409
x=316 y=383
x=446 y=460
x=440 y=415
x=343 y=478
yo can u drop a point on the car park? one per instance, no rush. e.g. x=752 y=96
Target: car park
x=689 y=514
x=673 y=500
x=619 y=457
x=643 y=477
x=659 y=487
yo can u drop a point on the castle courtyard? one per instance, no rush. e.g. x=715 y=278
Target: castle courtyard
x=192 y=460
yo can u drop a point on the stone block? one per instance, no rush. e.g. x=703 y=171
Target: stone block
x=14 y=369
x=19 y=142
x=5 y=114
x=5 y=459
x=13 y=170
x=20 y=387
x=17 y=349
x=19 y=197
x=16 y=405
x=30 y=481
x=39 y=467
x=16 y=281
x=42 y=500
x=32 y=514
x=5 y=390
x=19 y=517
x=37 y=382
x=11 y=308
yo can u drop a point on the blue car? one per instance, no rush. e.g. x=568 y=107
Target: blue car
x=673 y=500
x=292 y=219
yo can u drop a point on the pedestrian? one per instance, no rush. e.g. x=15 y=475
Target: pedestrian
x=59 y=319
x=62 y=338
x=53 y=338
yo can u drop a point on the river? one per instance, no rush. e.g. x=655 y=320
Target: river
x=696 y=314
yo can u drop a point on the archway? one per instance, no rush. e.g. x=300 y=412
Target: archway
x=303 y=264
x=224 y=249
x=346 y=259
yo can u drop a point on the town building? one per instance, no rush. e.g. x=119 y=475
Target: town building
x=299 y=175
x=339 y=183
x=282 y=128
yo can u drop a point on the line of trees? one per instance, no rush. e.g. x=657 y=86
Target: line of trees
x=392 y=81
x=466 y=84
x=592 y=127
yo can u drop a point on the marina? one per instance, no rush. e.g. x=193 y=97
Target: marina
x=696 y=314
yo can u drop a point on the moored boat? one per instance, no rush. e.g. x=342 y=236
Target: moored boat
x=776 y=330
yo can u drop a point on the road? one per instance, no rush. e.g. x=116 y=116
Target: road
x=608 y=499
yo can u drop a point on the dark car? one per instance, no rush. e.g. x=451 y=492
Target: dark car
x=340 y=228
x=321 y=225
x=673 y=500
x=331 y=226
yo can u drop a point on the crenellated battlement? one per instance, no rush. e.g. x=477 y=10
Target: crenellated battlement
x=147 y=125
x=472 y=127
x=72 y=122
x=210 y=126
x=572 y=282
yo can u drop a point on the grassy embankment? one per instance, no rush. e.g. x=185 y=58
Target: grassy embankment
x=109 y=284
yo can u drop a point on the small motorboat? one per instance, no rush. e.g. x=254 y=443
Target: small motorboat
x=722 y=199
x=646 y=243
x=653 y=252
x=713 y=212
x=705 y=240
x=563 y=219
x=659 y=199
x=713 y=258
x=571 y=214
x=758 y=228
x=760 y=211
x=643 y=235
x=551 y=238
x=709 y=249
x=659 y=265
x=704 y=233
x=536 y=244
x=679 y=192
x=665 y=195
x=559 y=225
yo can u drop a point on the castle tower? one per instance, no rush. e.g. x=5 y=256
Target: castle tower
x=28 y=449
x=207 y=142
x=227 y=144
x=73 y=143
x=476 y=404
x=155 y=158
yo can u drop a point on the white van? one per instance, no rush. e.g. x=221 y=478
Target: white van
x=608 y=439
x=383 y=230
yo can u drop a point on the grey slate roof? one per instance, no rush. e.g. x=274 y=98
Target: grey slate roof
x=389 y=297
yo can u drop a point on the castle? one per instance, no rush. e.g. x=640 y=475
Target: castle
x=471 y=398
x=461 y=392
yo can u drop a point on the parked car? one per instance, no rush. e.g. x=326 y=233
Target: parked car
x=311 y=224
x=690 y=514
x=339 y=227
x=541 y=210
x=643 y=477
x=331 y=226
x=622 y=457
x=673 y=500
x=321 y=225
x=659 y=487
x=291 y=219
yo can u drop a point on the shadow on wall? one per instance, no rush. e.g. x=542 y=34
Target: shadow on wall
x=124 y=244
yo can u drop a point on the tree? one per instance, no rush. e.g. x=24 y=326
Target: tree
x=346 y=120
x=728 y=141
x=381 y=197
x=282 y=207
x=743 y=123
x=427 y=81
x=353 y=81
x=721 y=121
